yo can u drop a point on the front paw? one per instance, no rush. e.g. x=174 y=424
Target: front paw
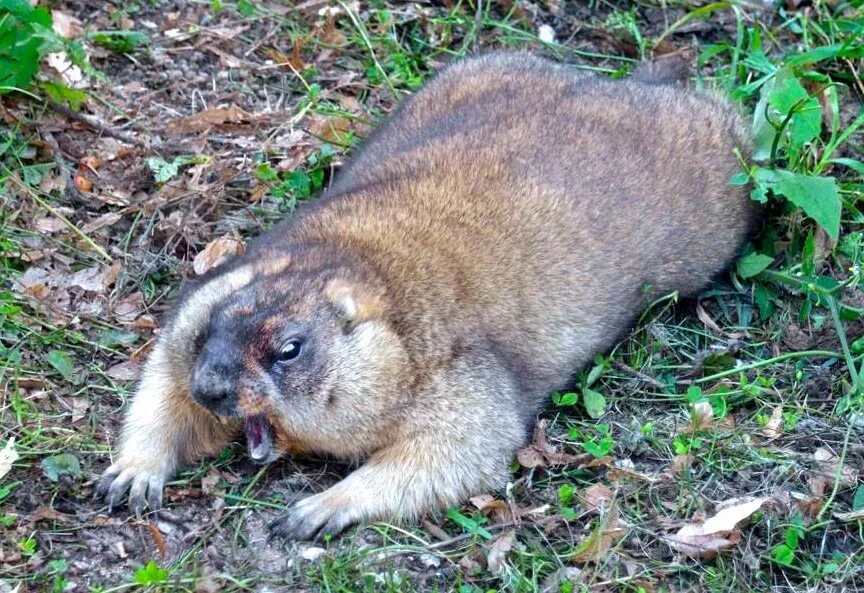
x=144 y=482
x=327 y=513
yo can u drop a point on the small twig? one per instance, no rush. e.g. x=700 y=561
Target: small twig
x=94 y=124
x=466 y=536
x=645 y=378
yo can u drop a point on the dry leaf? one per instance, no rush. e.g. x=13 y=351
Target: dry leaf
x=331 y=129
x=127 y=309
x=597 y=496
x=541 y=453
x=216 y=252
x=83 y=183
x=210 y=481
x=772 y=427
x=79 y=406
x=679 y=464
x=496 y=553
x=853 y=516
x=8 y=456
x=497 y=509
x=828 y=466
x=66 y=25
x=209 y=118
x=89 y=279
x=597 y=545
x=124 y=371
x=701 y=417
x=565 y=574
x=717 y=533
x=49 y=224
x=49 y=514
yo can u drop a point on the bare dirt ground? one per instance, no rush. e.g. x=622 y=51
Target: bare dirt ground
x=226 y=117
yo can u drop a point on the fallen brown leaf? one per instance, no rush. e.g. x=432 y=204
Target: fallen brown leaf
x=210 y=118
x=828 y=466
x=66 y=25
x=597 y=545
x=127 y=309
x=541 y=453
x=497 y=550
x=49 y=224
x=772 y=427
x=216 y=252
x=49 y=514
x=124 y=371
x=852 y=516
x=707 y=539
x=597 y=496
x=83 y=183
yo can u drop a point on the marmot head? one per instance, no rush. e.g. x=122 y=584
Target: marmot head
x=306 y=360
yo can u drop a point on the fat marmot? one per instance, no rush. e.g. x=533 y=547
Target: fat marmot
x=506 y=224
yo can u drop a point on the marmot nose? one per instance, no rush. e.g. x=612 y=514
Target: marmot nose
x=213 y=383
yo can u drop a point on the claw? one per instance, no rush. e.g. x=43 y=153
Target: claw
x=105 y=483
x=117 y=489
x=154 y=494
x=310 y=519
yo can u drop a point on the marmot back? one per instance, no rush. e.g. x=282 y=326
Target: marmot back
x=505 y=225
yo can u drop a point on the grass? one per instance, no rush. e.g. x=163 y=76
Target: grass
x=774 y=350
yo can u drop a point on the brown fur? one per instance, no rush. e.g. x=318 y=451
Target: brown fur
x=504 y=226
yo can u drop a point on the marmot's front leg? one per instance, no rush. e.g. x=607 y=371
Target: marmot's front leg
x=459 y=441
x=163 y=428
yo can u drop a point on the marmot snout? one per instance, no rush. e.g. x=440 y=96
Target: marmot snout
x=505 y=225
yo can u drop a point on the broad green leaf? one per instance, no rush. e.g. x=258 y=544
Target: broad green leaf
x=151 y=574
x=595 y=373
x=779 y=96
x=739 y=179
x=62 y=363
x=122 y=41
x=64 y=94
x=564 y=399
x=565 y=494
x=782 y=554
x=792 y=538
x=817 y=196
x=858 y=499
x=61 y=465
x=750 y=265
x=595 y=403
x=806 y=122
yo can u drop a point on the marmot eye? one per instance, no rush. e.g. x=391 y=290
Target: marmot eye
x=289 y=351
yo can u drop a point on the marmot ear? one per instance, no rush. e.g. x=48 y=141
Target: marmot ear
x=355 y=304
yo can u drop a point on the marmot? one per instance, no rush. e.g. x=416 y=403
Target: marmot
x=505 y=225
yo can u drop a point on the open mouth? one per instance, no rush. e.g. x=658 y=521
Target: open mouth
x=259 y=437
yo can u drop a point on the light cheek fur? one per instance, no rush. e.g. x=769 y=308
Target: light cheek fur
x=356 y=409
x=427 y=466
